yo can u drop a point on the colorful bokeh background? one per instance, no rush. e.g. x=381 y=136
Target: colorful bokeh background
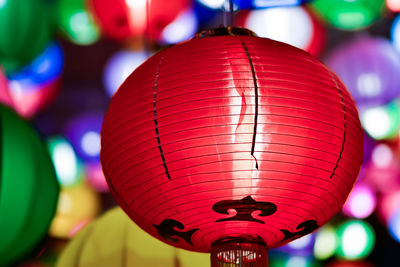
x=62 y=60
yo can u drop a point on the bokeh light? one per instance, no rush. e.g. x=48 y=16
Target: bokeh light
x=384 y=169
x=77 y=205
x=37 y=84
x=182 y=28
x=66 y=163
x=395 y=32
x=370 y=68
x=356 y=239
x=361 y=202
x=95 y=177
x=300 y=247
x=388 y=205
x=119 y=67
x=291 y=25
x=84 y=133
x=393 y=5
x=382 y=122
x=76 y=22
x=349 y=14
x=394 y=225
x=326 y=242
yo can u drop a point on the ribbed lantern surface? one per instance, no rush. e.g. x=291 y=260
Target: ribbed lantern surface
x=231 y=138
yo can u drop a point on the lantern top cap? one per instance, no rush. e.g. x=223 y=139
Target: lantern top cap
x=224 y=31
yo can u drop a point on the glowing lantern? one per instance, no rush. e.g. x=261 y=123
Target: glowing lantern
x=76 y=22
x=231 y=142
x=370 y=67
x=292 y=25
x=131 y=246
x=349 y=15
x=25 y=35
x=29 y=188
x=37 y=85
x=122 y=19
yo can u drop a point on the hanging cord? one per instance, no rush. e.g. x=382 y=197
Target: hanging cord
x=147 y=35
x=228 y=14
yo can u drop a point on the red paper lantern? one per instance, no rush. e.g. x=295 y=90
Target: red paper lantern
x=231 y=142
x=122 y=19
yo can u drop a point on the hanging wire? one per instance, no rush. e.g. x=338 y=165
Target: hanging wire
x=147 y=35
x=228 y=13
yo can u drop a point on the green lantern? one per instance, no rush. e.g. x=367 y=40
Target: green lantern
x=349 y=15
x=28 y=188
x=25 y=29
x=76 y=22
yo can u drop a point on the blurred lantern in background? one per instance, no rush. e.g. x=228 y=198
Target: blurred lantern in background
x=131 y=246
x=370 y=68
x=29 y=188
x=35 y=86
x=25 y=30
x=292 y=25
x=83 y=130
x=124 y=19
x=361 y=202
x=356 y=240
x=118 y=68
x=349 y=15
x=77 y=206
x=68 y=168
x=395 y=33
x=76 y=22
x=212 y=123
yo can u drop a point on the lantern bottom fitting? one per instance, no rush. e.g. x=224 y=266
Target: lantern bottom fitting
x=239 y=251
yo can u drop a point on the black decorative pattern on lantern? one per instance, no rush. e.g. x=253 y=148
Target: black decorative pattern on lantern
x=167 y=230
x=304 y=228
x=244 y=208
x=156 y=120
x=253 y=145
